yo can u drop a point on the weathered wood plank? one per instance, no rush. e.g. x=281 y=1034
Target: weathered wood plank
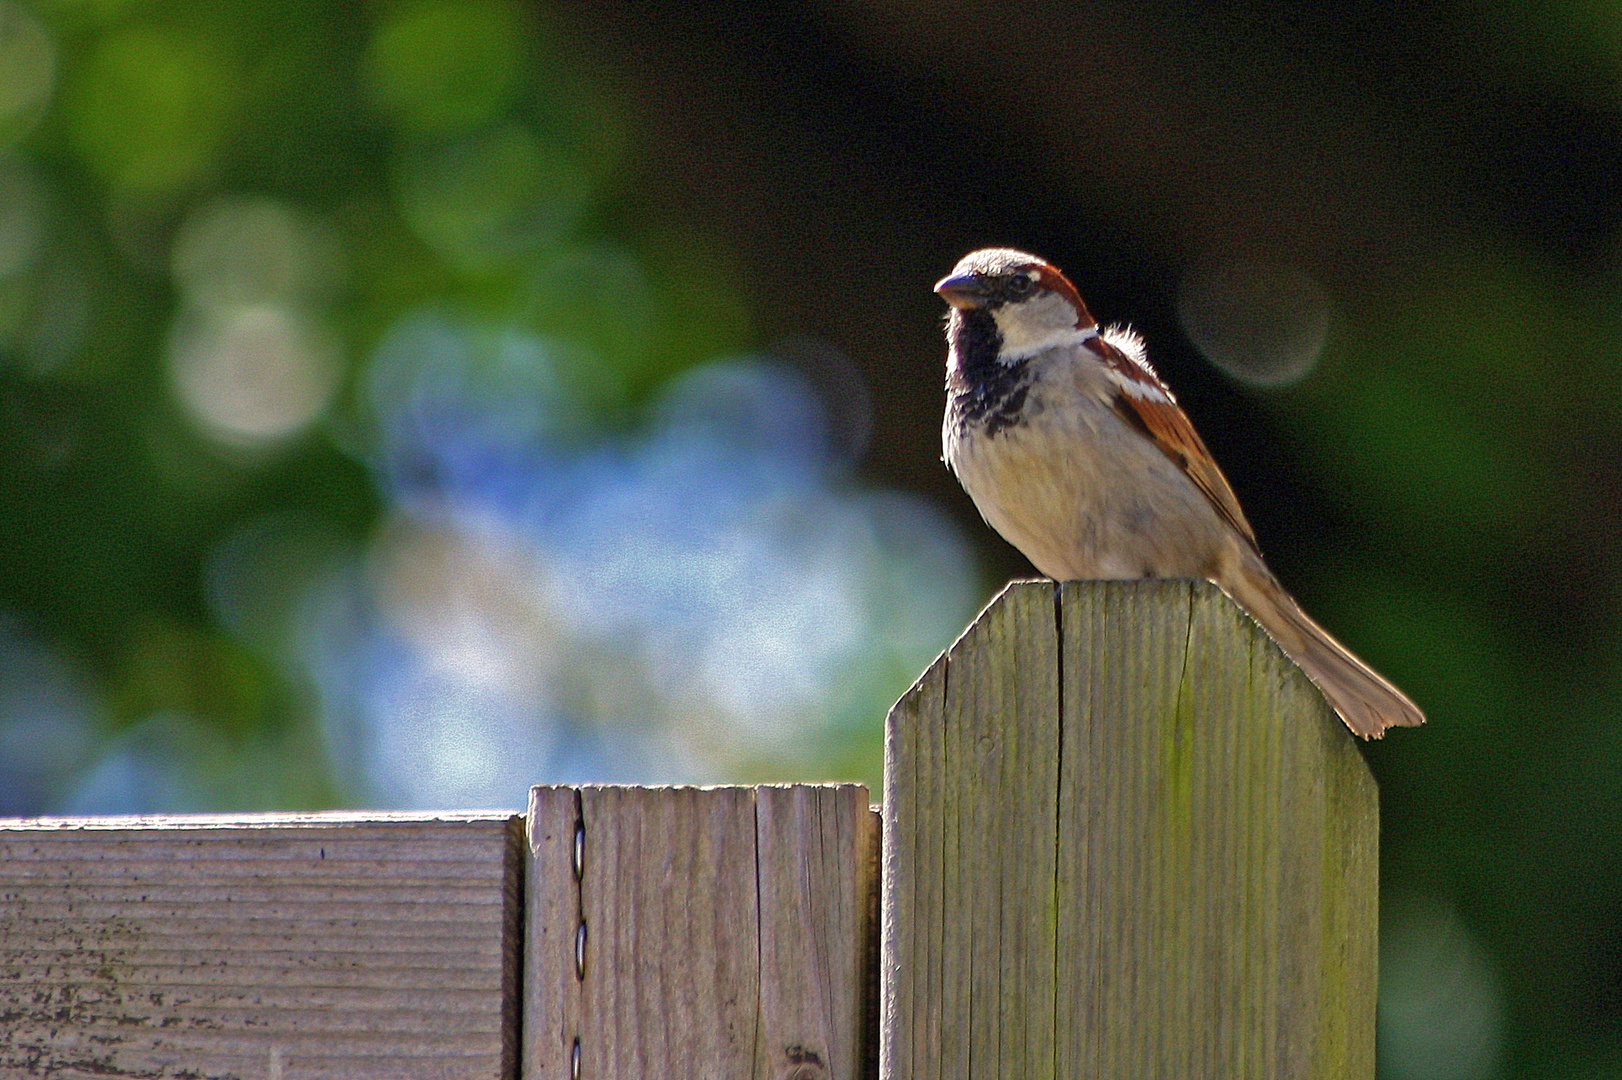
x=1125 y=837
x=672 y=953
x=285 y=946
x=818 y=880
x=725 y=932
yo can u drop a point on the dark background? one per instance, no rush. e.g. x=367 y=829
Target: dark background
x=403 y=402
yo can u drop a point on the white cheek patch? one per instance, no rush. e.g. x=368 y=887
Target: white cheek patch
x=1046 y=322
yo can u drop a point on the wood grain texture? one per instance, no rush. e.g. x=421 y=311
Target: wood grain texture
x=1125 y=837
x=726 y=932
x=275 y=946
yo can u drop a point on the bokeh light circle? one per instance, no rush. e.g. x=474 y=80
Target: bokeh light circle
x=1262 y=324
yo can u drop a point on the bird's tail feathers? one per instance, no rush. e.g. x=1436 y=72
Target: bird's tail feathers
x=1364 y=700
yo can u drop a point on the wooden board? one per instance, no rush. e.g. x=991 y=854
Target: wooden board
x=276 y=946
x=726 y=932
x=1125 y=837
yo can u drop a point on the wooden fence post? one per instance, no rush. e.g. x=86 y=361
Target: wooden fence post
x=1125 y=838
x=700 y=933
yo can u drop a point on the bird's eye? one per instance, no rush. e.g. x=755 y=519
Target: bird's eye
x=1020 y=285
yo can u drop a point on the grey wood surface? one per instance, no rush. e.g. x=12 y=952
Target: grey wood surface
x=275 y=946
x=726 y=932
x=1125 y=838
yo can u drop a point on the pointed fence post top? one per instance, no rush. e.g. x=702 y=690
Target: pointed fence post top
x=1125 y=836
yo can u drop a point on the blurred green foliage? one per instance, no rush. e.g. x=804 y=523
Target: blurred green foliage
x=384 y=156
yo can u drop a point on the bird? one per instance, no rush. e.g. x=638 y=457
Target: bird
x=1075 y=450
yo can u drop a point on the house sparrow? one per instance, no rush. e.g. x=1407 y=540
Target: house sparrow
x=1076 y=452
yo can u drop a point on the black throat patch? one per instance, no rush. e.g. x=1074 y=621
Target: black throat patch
x=981 y=389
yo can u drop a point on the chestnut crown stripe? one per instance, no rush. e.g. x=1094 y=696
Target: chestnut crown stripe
x=1050 y=277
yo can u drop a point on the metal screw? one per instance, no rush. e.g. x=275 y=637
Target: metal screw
x=579 y=861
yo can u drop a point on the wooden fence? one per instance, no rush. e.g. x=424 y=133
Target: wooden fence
x=1123 y=838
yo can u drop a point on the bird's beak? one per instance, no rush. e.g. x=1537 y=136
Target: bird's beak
x=963 y=291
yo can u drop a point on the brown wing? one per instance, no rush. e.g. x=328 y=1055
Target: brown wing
x=1156 y=413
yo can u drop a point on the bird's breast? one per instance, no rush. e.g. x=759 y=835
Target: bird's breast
x=1054 y=469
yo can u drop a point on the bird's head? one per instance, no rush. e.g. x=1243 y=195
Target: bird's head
x=1028 y=302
